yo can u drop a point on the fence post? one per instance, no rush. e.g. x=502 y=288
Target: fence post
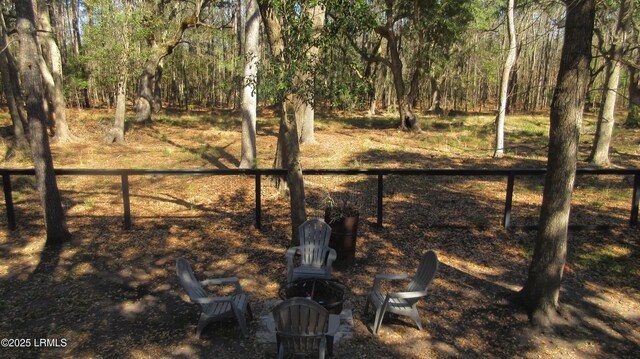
x=506 y=219
x=125 y=201
x=8 y=200
x=635 y=200
x=258 y=202
x=380 y=184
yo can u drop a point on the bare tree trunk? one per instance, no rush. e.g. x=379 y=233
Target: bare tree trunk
x=540 y=294
x=305 y=113
x=29 y=53
x=606 y=116
x=408 y=119
x=11 y=86
x=288 y=143
x=435 y=96
x=144 y=97
x=504 y=85
x=116 y=133
x=249 y=95
x=52 y=74
x=156 y=106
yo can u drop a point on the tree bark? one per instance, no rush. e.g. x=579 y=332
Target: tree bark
x=144 y=97
x=633 y=117
x=504 y=85
x=408 y=119
x=156 y=106
x=540 y=294
x=116 y=133
x=52 y=74
x=305 y=112
x=11 y=86
x=249 y=95
x=606 y=115
x=30 y=59
x=288 y=144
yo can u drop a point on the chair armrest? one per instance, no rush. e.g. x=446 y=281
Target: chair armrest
x=331 y=257
x=387 y=276
x=408 y=295
x=291 y=252
x=334 y=324
x=222 y=281
x=212 y=300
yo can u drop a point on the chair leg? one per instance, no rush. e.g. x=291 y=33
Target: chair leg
x=321 y=350
x=378 y=321
x=280 y=351
x=415 y=315
x=202 y=323
x=249 y=311
x=243 y=325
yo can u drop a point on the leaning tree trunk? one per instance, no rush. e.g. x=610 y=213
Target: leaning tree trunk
x=540 y=294
x=504 y=85
x=408 y=119
x=30 y=59
x=249 y=95
x=10 y=84
x=52 y=75
x=116 y=133
x=606 y=117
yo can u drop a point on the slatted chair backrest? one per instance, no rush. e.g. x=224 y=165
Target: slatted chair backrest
x=301 y=324
x=424 y=275
x=188 y=280
x=314 y=242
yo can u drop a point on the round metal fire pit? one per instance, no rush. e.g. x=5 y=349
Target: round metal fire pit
x=326 y=292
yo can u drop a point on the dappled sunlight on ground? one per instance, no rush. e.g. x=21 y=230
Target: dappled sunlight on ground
x=114 y=292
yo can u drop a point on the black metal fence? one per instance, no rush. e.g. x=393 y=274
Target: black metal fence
x=510 y=175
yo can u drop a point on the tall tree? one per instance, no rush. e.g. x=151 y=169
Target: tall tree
x=288 y=145
x=613 y=55
x=162 y=41
x=249 y=94
x=304 y=111
x=504 y=84
x=540 y=294
x=11 y=86
x=30 y=60
x=52 y=73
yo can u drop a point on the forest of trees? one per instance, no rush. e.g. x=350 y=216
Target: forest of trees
x=401 y=56
x=415 y=56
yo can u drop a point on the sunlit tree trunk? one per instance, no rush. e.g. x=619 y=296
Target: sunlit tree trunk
x=504 y=85
x=249 y=95
x=116 y=133
x=540 y=294
x=10 y=84
x=52 y=74
x=305 y=113
x=606 y=116
x=30 y=59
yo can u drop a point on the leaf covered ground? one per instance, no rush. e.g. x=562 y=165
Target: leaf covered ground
x=112 y=292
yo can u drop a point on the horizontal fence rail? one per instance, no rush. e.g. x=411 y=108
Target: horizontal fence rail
x=509 y=173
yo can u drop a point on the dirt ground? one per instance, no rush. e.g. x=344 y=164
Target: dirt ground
x=112 y=292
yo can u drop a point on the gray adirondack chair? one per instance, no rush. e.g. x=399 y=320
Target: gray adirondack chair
x=304 y=327
x=403 y=303
x=213 y=309
x=316 y=257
